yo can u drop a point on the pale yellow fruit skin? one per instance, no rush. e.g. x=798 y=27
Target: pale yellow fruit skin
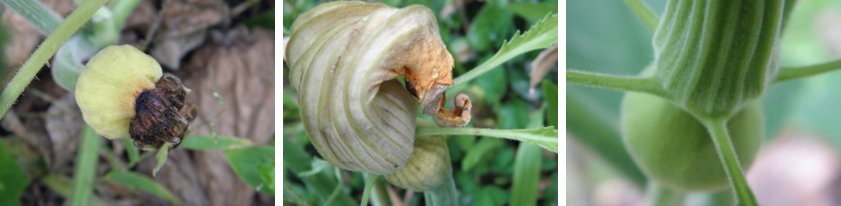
x=427 y=167
x=107 y=88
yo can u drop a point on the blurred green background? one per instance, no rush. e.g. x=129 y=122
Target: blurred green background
x=605 y=36
x=484 y=168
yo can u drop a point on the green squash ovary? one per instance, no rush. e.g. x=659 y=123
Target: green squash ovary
x=715 y=56
x=674 y=149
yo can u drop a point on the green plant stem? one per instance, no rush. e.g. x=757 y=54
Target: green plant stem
x=644 y=13
x=42 y=18
x=793 y=73
x=379 y=195
x=133 y=153
x=370 y=180
x=648 y=85
x=718 y=130
x=443 y=195
x=121 y=9
x=46 y=50
x=83 y=179
x=512 y=134
x=161 y=157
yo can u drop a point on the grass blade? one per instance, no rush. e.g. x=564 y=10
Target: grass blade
x=12 y=178
x=86 y=159
x=137 y=182
x=42 y=18
x=370 y=180
x=133 y=152
x=541 y=35
x=161 y=157
x=46 y=50
x=208 y=142
x=526 y=174
x=246 y=163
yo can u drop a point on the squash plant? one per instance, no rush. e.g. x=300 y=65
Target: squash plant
x=692 y=120
x=375 y=89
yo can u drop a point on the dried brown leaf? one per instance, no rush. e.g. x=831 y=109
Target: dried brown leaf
x=239 y=69
x=541 y=65
x=184 y=27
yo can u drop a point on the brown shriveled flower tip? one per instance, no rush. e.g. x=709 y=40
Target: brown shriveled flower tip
x=162 y=114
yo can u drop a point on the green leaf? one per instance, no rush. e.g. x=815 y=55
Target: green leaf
x=541 y=35
x=551 y=192
x=490 y=25
x=246 y=163
x=267 y=177
x=209 y=142
x=264 y=20
x=42 y=18
x=67 y=63
x=490 y=195
x=493 y=85
x=502 y=164
x=479 y=152
x=138 y=182
x=133 y=152
x=12 y=178
x=546 y=137
x=161 y=157
x=86 y=159
x=550 y=94
x=513 y=114
x=524 y=188
x=320 y=187
x=533 y=11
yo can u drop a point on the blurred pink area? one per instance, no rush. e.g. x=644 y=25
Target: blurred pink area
x=796 y=168
x=793 y=168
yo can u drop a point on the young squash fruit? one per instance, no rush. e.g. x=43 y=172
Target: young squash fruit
x=674 y=148
x=427 y=168
x=124 y=93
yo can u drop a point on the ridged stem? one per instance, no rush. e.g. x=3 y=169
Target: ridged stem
x=714 y=56
x=727 y=154
x=46 y=50
x=648 y=85
x=793 y=73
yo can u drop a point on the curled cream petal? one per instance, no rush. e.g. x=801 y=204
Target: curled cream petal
x=344 y=59
x=107 y=88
